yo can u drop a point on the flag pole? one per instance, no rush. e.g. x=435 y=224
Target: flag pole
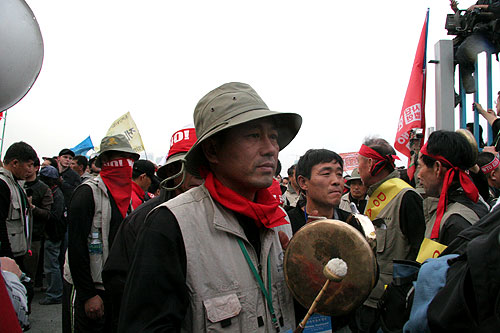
x=3 y=131
x=424 y=69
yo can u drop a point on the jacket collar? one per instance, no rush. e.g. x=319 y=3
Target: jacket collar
x=372 y=188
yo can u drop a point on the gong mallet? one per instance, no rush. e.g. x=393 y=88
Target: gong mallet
x=335 y=270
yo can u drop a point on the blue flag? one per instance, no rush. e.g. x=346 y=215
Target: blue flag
x=83 y=147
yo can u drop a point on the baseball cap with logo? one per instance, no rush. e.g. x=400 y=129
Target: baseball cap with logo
x=180 y=143
x=230 y=105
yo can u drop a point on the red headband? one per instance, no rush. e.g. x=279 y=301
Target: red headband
x=382 y=160
x=487 y=168
x=465 y=181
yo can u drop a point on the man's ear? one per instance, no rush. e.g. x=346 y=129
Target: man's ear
x=209 y=147
x=493 y=175
x=439 y=169
x=302 y=182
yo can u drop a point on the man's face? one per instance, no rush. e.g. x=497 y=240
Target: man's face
x=75 y=166
x=65 y=160
x=190 y=181
x=94 y=168
x=494 y=178
x=31 y=176
x=358 y=190
x=45 y=163
x=364 y=165
x=285 y=182
x=325 y=186
x=293 y=180
x=429 y=178
x=246 y=160
x=22 y=170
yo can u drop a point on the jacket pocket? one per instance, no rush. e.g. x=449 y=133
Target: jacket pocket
x=16 y=213
x=222 y=313
x=17 y=241
x=381 y=239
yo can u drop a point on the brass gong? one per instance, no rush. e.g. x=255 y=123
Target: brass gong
x=309 y=251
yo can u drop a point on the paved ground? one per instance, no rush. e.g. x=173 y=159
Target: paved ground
x=45 y=318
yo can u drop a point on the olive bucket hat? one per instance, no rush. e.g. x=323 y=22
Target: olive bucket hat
x=230 y=105
x=116 y=142
x=354 y=176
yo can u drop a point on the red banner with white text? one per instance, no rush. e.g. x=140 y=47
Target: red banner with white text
x=413 y=110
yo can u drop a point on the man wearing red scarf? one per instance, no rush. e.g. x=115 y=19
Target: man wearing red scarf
x=396 y=211
x=174 y=181
x=444 y=160
x=143 y=174
x=96 y=211
x=213 y=252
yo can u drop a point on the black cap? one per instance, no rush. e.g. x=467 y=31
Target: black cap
x=66 y=151
x=147 y=167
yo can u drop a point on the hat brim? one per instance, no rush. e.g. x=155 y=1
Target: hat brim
x=162 y=171
x=98 y=161
x=288 y=125
x=351 y=179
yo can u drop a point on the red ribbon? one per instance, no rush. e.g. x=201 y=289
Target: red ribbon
x=465 y=181
x=265 y=211
x=370 y=153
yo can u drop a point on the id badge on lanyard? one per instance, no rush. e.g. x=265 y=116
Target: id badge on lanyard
x=318 y=324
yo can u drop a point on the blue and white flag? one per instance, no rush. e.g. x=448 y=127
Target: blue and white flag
x=83 y=147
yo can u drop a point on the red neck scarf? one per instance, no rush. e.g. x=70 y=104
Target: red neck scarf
x=137 y=195
x=465 y=181
x=117 y=176
x=265 y=211
x=381 y=161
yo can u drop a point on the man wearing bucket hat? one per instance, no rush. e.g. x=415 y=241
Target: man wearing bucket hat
x=356 y=194
x=175 y=180
x=225 y=267
x=96 y=211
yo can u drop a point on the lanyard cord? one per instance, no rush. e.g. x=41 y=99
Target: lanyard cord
x=267 y=293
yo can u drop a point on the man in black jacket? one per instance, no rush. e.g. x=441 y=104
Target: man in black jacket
x=320 y=177
x=40 y=203
x=97 y=209
x=70 y=178
x=175 y=180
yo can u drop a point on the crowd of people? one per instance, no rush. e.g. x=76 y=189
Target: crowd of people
x=197 y=244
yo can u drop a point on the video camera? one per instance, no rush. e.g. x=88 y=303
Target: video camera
x=464 y=22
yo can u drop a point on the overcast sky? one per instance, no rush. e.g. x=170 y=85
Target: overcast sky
x=343 y=66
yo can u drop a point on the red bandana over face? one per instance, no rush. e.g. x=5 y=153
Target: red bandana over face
x=465 y=181
x=264 y=211
x=117 y=176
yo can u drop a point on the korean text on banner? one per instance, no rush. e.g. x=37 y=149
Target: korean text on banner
x=413 y=110
x=125 y=125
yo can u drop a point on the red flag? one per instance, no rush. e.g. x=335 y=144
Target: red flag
x=413 y=110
